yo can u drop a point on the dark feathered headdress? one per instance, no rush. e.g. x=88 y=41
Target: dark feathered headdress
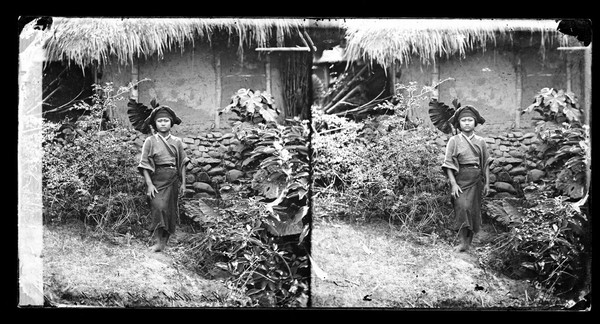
x=141 y=116
x=470 y=110
x=440 y=114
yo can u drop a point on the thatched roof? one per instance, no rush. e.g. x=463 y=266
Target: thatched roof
x=85 y=40
x=398 y=40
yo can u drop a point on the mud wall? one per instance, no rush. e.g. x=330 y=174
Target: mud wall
x=186 y=81
x=489 y=79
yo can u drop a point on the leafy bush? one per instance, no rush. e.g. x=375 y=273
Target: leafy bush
x=558 y=106
x=565 y=153
x=91 y=177
x=547 y=241
x=262 y=248
x=272 y=271
x=549 y=235
x=384 y=171
x=253 y=105
x=89 y=173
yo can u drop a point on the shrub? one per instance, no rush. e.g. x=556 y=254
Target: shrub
x=91 y=177
x=90 y=174
x=384 y=171
x=547 y=241
x=271 y=270
x=565 y=154
x=262 y=246
x=556 y=105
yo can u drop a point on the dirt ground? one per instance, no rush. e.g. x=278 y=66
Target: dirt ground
x=376 y=265
x=84 y=268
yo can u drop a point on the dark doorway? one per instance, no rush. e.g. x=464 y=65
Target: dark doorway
x=64 y=86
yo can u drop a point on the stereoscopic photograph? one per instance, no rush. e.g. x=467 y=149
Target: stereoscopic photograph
x=304 y=163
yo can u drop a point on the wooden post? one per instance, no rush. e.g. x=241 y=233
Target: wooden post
x=326 y=80
x=218 y=88
x=435 y=78
x=134 y=94
x=519 y=90
x=268 y=73
x=568 y=68
x=392 y=78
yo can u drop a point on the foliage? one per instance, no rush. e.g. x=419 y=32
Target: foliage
x=253 y=105
x=565 y=153
x=271 y=270
x=262 y=247
x=407 y=99
x=279 y=154
x=558 y=106
x=547 y=239
x=91 y=174
x=388 y=172
x=103 y=101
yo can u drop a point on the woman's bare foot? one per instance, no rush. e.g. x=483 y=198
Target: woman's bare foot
x=461 y=248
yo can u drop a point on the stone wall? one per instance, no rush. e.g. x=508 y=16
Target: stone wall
x=215 y=159
x=514 y=164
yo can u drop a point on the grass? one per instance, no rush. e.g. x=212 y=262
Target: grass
x=378 y=265
x=91 y=268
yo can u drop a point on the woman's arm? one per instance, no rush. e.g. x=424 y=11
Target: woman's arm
x=182 y=187
x=486 y=185
x=455 y=190
x=151 y=191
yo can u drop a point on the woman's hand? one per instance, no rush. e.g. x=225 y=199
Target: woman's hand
x=182 y=190
x=151 y=191
x=486 y=189
x=456 y=191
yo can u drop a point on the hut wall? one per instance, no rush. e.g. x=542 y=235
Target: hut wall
x=488 y=81
x=186 y=82
x=485 y=80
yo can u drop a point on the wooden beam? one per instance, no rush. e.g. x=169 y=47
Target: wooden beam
x=574 y=48
x=343 y=99
x=344 y=89
x=311 y=44
x=283 y=49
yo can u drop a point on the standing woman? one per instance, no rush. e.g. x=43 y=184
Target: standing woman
x=467 y=166
x=163 y=166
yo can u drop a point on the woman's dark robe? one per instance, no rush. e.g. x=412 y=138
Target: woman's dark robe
x=157 y=152
x=463 y=151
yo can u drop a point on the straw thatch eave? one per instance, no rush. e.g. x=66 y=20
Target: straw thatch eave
x=398 y=40
x=87 y=40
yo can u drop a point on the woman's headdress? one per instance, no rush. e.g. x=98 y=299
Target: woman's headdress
x=466 y=111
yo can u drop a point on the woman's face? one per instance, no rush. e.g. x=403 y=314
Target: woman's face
x=163 y=124
x=467 y=124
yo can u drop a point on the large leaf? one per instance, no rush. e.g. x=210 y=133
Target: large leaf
x=573 y=114
x=504 y=212
x=138 y=113
x=440 y=114
x=269 y=115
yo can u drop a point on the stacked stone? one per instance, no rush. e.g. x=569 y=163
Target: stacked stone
x=213 y=159
x=513 y=162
